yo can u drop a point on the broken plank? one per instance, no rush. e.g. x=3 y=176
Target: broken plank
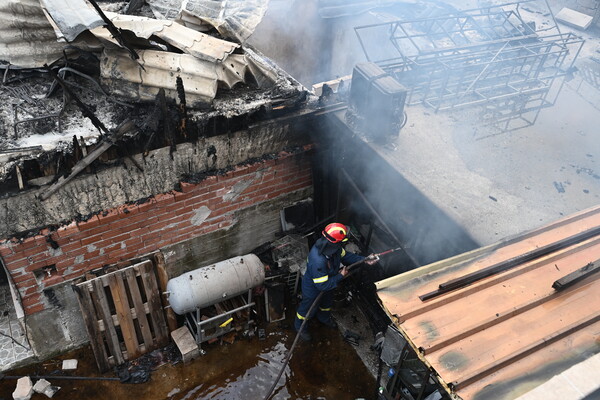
x=117 y=290
x=125 y=127
x=577 y=276
x=163 y=278
x=89 y=317
x=99 y=298
x=139 y=307
x=156 y=310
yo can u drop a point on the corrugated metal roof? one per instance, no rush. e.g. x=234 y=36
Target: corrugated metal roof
x=27 y=39
x=198 y=44
x=71 y=17
x=234 y=19
x=161 y=69
x=500 y=336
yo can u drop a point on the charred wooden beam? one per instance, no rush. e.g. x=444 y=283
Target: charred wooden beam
x=115 y=32
x=122 y=129
x=84 y=109
x=182 y=108
x=162 y=101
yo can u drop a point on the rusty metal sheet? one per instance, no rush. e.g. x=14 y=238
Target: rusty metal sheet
x=200 y=45
x=511 y=331
x=71 y=17
x=27 y=39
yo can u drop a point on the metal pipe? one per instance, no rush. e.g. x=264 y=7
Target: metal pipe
x=217 y=317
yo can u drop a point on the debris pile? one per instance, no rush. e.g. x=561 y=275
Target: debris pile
x=61 y=60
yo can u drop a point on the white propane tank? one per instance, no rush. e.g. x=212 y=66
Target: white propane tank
x=208 y=285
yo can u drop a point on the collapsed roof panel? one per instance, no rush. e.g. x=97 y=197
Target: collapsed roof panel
x=27 y=39
x=201 y=78
x=198 y=44
x=71 y=17
x=234 y=19
x=161 y=69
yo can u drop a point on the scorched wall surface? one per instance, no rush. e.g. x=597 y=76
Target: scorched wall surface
x=209 y=212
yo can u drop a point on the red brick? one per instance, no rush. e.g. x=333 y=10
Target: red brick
x=31 y=300
x=95 y=262
x=243 y=204
x=5 y=251
x=112 y=233
x=114 y=246
x=71 y=246
x=134 y=247
x=38 y=257
x=29 y=310
x=186 y=231
x=199 y=200
x=68 y=230
x=17 y=264
x=90 y=223
x=96 y=230
x=30 y=290
x=91 y=240
x=40 y=264
x=128 y=210
x=164 y=198
x=24 y=280
x=25 y=244
x=152 y=241
x=108 y=216
x=119 y=255
x=187 y=187
x=241 y=170
x=148 y=205
x=53 y=280
x=215 y=204
x=261 y=166
x=66 y=263
x=181 y=196
x=92 y=254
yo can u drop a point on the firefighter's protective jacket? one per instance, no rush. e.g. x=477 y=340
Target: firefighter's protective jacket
x=322 y=271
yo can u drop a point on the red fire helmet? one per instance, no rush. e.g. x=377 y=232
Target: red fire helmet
x=336 y=233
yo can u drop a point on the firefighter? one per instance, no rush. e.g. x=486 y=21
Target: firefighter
x=323 y=274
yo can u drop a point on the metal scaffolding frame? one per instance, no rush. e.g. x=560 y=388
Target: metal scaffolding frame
x=488 y=56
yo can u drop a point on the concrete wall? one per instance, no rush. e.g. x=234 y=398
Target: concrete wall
x=426 y=231
x=213 y=216
x=111 y=187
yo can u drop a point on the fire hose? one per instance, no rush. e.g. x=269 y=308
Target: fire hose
x=351 y=269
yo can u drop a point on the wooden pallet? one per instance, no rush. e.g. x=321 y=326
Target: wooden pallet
x=123 y=314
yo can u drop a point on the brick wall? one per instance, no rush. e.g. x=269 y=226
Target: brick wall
x=132 y=230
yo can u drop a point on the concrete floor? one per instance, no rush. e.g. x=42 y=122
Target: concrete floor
x=494 y=184
x=12 y=352
x=498 y=184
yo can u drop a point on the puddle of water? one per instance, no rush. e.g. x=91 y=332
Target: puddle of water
x=327 y=368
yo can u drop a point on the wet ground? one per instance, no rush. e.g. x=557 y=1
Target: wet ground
x=326 y=368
